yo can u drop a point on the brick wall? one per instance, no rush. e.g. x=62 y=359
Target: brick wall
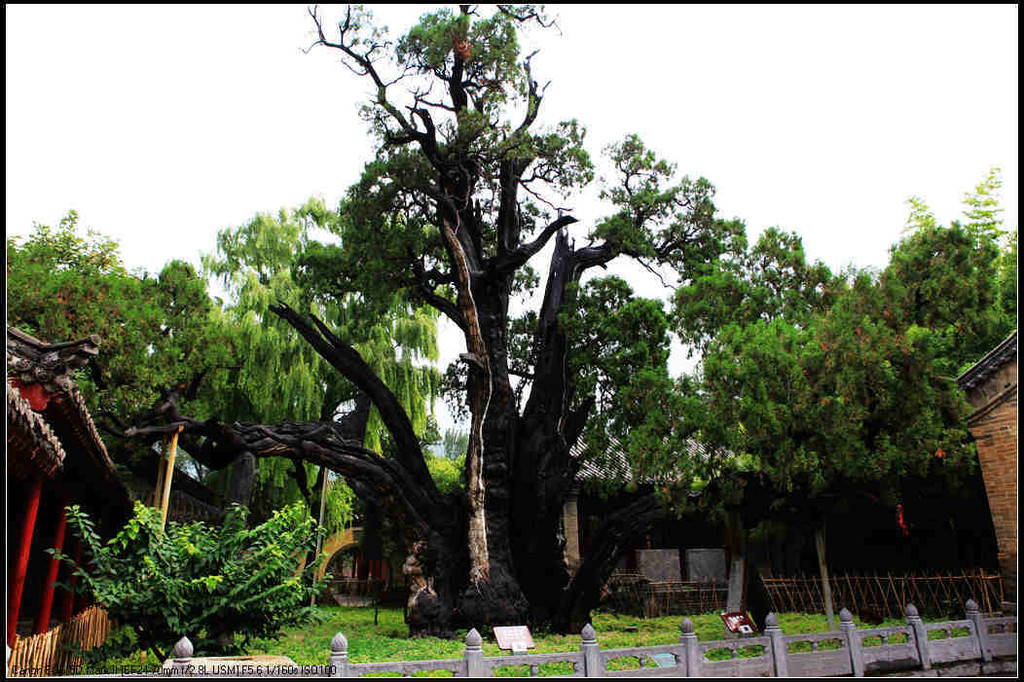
x=994 y=426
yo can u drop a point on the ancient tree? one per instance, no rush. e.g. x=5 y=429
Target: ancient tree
x=466 y=189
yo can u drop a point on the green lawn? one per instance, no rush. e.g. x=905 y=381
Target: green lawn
x=387 y=641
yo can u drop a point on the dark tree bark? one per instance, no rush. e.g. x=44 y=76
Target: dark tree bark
x=243 y=475
x=494 y=554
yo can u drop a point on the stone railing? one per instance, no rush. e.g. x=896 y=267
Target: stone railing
x=976 y=645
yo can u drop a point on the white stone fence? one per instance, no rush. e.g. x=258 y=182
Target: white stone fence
x=973 y=646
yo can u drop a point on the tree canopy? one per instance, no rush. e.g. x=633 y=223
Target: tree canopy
x=851 y=379
x=157 y=333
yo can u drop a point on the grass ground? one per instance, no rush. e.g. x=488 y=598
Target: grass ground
x=387 y=640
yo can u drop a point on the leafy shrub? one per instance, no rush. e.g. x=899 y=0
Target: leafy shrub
x=219 y=586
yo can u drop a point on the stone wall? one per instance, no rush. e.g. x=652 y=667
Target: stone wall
x=706 y=564
x=658 y=564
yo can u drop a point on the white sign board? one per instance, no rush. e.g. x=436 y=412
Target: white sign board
x=515 y=638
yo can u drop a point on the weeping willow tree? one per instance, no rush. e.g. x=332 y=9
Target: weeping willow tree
x=281 y=377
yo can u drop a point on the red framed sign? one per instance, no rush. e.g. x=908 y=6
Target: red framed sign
x=738 y=622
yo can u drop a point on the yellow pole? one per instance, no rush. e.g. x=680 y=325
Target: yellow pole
x=168 y=478
x=320 y=524
x=158 y=499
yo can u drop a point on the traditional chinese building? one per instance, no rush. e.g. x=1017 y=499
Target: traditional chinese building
x=54 y=458
x=991 y=386
x=649 y=554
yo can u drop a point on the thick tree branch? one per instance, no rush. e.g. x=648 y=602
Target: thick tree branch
x=299 y=474
x=577 y=420
x=593 y=256
x=456 y=85
x=326 y=444
x=618 y=530
x=510 y=262
x=425 y=283
x=533 y=99
x=347 y=360
x=509 y=219
x=481 y=383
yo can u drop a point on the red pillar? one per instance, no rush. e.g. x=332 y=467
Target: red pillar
x=67 y=605
x=42 y=623
x=17 y=580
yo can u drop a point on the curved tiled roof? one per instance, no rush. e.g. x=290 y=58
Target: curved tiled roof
x=62 y=424
x=28 y=432
x=614 y=465
x=990 y=364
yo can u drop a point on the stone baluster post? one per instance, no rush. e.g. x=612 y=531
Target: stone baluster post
x=774 y=632
x=853 y=642
x=920 y=636
x=691 y=648
x=182 y=652
x=980 y=629
x=339 y=656
x=474 y=655
x=592 y=664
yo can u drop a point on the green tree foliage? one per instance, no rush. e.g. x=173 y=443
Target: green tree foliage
x=858 y=386
x=770 y=280
x=956 y=280
x=619 y=359
x=447 y=472
x=339 y=511
x=1008 y=278
x=259 y=263
x=454 y=443
x=657 y=222
x=219 y=586
x=282 y=376
x=157 y=332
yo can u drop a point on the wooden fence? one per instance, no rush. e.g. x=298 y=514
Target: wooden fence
x=48 y=653
x=888 y=595
x=975 y=645
x=633 y=594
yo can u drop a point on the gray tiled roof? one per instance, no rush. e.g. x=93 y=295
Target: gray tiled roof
x=616 y=466
x=990 y=364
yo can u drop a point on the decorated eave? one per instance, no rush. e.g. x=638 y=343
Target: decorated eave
x=28 y=433
x=46 y=413
x=980 y=372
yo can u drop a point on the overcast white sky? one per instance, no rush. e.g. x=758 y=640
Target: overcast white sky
x=162 y=125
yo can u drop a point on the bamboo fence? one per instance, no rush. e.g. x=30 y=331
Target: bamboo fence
x=48 y=654
x=888 y=595
x=631 y=593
